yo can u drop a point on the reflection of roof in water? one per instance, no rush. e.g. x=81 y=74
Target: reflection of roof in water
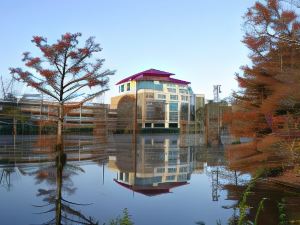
x=152 y=190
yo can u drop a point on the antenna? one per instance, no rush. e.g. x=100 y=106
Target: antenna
x=217 y=91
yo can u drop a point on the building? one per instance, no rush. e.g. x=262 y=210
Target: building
x=162 y=102
x=32 y=114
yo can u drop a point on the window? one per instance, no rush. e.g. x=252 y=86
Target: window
x=183 y=91
x=172 y=170
x=149 y=95
x=155 y=110
x=184 y=113
x=148 y=125
x=128 y=86
x=182 y=177
x=171 y=85
x=183 y=169
x=173 y=125
x=173 y=116
x=161 y=96
x=148 y=141
x=126 y=177
x=173 y=97
x=149 y=85
x=159 y=125
x=170 y=177
x=173 y=107
x=172 y=90
x=122 y=88
x=160 y=170
x=184 y=98
x=148 y=181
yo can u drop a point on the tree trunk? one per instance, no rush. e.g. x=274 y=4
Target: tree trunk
x=59 y=140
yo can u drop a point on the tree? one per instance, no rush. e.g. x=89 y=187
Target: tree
x=64 y=72
x=272 y=36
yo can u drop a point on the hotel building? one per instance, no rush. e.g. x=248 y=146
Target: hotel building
x=162 y=101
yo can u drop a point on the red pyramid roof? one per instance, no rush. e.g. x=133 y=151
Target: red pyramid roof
x=151 y=72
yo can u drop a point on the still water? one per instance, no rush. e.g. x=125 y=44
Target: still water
x=169 y=179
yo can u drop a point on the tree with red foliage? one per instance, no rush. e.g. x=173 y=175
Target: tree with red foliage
x=64 y=71
x=272 y=35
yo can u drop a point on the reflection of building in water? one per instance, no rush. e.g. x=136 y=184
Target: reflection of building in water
x=163 y=101
x=214 y=124
x=157 y=165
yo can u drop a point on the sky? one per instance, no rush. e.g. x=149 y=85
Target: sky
x=197 y=40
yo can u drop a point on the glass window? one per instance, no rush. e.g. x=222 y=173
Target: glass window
x=159 y=125
x=161 y=96
x=182 y=177
x=172 y=170
x=173 y=125
x=160 y=170
x=148 y=125
x=171 y=85
x=183 y=91
x=184 y=113
x=173 y=97
x=174 y=107
x=155 y=110
x=122 y=88
x=149 y=95
x=184 y=98
x=183 y=169
x=128 y=86
x=173 y=116
x=172 y=90
x=171 y=177
x=149 y=85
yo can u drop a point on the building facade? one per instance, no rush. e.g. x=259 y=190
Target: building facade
x=162 y=101
x=31 y=114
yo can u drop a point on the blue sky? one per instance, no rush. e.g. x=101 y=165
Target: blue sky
x=199 y=41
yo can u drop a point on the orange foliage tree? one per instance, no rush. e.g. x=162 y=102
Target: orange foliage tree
x=269 y=86
x=65 y=71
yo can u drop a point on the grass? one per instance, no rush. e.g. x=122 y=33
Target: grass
x=283 y=220
x=243 y=207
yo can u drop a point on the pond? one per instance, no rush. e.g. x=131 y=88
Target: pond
x=159 y=179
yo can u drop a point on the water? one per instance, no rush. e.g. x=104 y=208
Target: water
x=161 y=179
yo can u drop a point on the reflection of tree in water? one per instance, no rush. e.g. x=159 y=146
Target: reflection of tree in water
x=8 y=175
x=59 y=176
